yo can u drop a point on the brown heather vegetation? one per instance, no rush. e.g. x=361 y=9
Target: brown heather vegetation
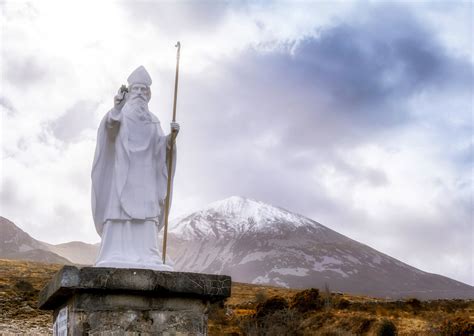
x=20 y=283
x=258 y=310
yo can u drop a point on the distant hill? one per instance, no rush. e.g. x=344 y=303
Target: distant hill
x=18 y=245
x=76 y=251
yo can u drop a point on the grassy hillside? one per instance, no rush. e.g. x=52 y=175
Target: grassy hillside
x=258 y=310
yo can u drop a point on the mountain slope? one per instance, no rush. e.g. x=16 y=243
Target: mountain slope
x=17 y=244
x=76 y=251
x=258 y=243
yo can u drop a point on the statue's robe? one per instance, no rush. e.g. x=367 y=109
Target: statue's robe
x=129 y=185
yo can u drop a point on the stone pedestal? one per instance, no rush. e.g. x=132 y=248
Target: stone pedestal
x=115 y=301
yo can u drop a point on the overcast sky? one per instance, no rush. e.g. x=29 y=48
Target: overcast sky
x=358 y=115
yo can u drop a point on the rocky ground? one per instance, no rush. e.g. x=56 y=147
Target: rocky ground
x=258 y=310
x=20 y=283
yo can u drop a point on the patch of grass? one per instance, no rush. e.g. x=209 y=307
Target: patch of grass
x=307 y=300
x=270 y=306
x=24 y=286
x=457 y=326
x=261 y=296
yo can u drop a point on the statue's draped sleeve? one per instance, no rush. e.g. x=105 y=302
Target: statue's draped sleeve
x=103 y=166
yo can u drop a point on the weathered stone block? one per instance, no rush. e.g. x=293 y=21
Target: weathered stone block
x=115 y=301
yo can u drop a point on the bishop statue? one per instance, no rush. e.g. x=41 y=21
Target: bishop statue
x=129 y=179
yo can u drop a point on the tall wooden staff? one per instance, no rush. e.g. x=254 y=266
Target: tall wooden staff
x=170 y=158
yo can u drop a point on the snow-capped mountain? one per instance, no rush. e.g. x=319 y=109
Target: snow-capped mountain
x=258 y=243
x=235 y=216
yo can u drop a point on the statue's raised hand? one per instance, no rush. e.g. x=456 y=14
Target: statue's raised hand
x=119 y=99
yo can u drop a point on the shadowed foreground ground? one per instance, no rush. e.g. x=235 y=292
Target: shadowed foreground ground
x=258 y=310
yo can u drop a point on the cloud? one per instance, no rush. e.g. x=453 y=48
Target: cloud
x=9 y=195
x=7 y=105
x=79 y=117
x=25 y=71
x=178 y=17
x=344 y=88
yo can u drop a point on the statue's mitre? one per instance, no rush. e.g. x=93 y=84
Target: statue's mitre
x=139 y=76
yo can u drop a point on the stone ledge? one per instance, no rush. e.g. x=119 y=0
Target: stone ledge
x=70 y=280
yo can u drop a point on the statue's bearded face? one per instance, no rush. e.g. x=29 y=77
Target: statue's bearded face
x=137 y=101
x=140 y=92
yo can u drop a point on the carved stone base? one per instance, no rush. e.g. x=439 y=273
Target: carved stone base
x=114 y=301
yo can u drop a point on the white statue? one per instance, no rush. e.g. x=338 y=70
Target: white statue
x=129 y=179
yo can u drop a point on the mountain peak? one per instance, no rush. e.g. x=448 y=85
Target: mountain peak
x=247 y=208
x=232 y=200
x=236 y=215
x=242 y=206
